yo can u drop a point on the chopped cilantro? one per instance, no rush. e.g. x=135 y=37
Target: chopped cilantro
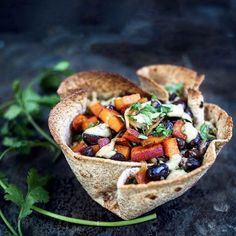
x=142 y=136
x=153 y=97
x=161 y=130
x=136 y=106
x=163 y=110
x=206 y=132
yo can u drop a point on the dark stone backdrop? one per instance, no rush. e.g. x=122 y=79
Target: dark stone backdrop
x=121 y=36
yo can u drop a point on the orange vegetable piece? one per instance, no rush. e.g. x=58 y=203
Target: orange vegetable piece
x=79 y=146
x=95 y=148
x=126 y=101
x=78 y=121
x=132 y=135
x=111 y=118
x=88 y=122
x=140 y=176
x=177 y=130
x=124 y=150
x=122 y=141
x=171 y=147
x=151 y=140
x=142 y=100
x=146 y=153
x=96 y=108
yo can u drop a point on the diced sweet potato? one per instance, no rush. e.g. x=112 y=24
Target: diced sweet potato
x=177 y=130
x=171 y=147
x=140 y=176
x=111 y=118
x=95 y=148
x=78 y=147
x=88 y=122
x=126 y=101
x=96 y=108
x=77 y=122
x=146 y=153
x=122 y=141
x=151 y=140
x=132 y=135
x=124 y=150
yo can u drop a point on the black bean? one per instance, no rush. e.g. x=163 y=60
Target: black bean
x=156 y=104
x=193 y=153
x=168 y=124
x=88 y=151
x=157 y=172
x=181 y=143
x=111 y=107
x=90 y=139
x=188 y=111
x=201 y=104
x=118 y=157
x=192 y=164
x=181 y=101
x=203 y=147
x=172 y=96
x=195 y=142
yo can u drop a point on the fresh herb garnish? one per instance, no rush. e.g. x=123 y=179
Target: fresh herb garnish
x=35 y=194
x=206 y=132
x=161 y=131
x=136 y=106
x=163 y=110
x=175 y=88
x=153 y=97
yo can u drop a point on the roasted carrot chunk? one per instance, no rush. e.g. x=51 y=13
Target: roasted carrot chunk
x=112 y=118
x=96 y=108
x=170 y=147
x=132 y=135
x=124 y=150
x=146 y=153
x=79 y=147
x=151 y=140
x=90 y=121
x=140 y=176
x=177 y=130
x=122 y=141
x=126 y=101
x=95 y=148
x=77 y=122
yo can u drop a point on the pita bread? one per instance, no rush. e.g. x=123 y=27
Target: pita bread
x=161 y=75
x=99 y=176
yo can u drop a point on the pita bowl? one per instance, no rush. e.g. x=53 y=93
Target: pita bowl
x=104 y=179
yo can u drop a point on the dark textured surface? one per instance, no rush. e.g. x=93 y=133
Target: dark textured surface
x=201 y=36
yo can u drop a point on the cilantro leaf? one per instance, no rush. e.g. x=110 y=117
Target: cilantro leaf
x=14 y=194
x=136 y=106
x=163 y=110
x=12 y=112
x=206 y=132
x=153 y=97
x=161 y=131
x=148 y=108
x=175 y=88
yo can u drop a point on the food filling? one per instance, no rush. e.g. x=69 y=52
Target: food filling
x=161 y=135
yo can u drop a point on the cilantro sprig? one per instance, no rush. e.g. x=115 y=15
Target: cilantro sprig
x=36 y=193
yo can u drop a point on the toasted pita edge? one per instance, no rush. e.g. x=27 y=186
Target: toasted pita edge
x=105 y=84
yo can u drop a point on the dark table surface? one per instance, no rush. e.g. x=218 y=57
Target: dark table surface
x=201 y=36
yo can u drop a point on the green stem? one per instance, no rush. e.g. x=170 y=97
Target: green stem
x=19 y=227
x=7 y=223
x=94 y=223
x=39 y=130
x=5 y=152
